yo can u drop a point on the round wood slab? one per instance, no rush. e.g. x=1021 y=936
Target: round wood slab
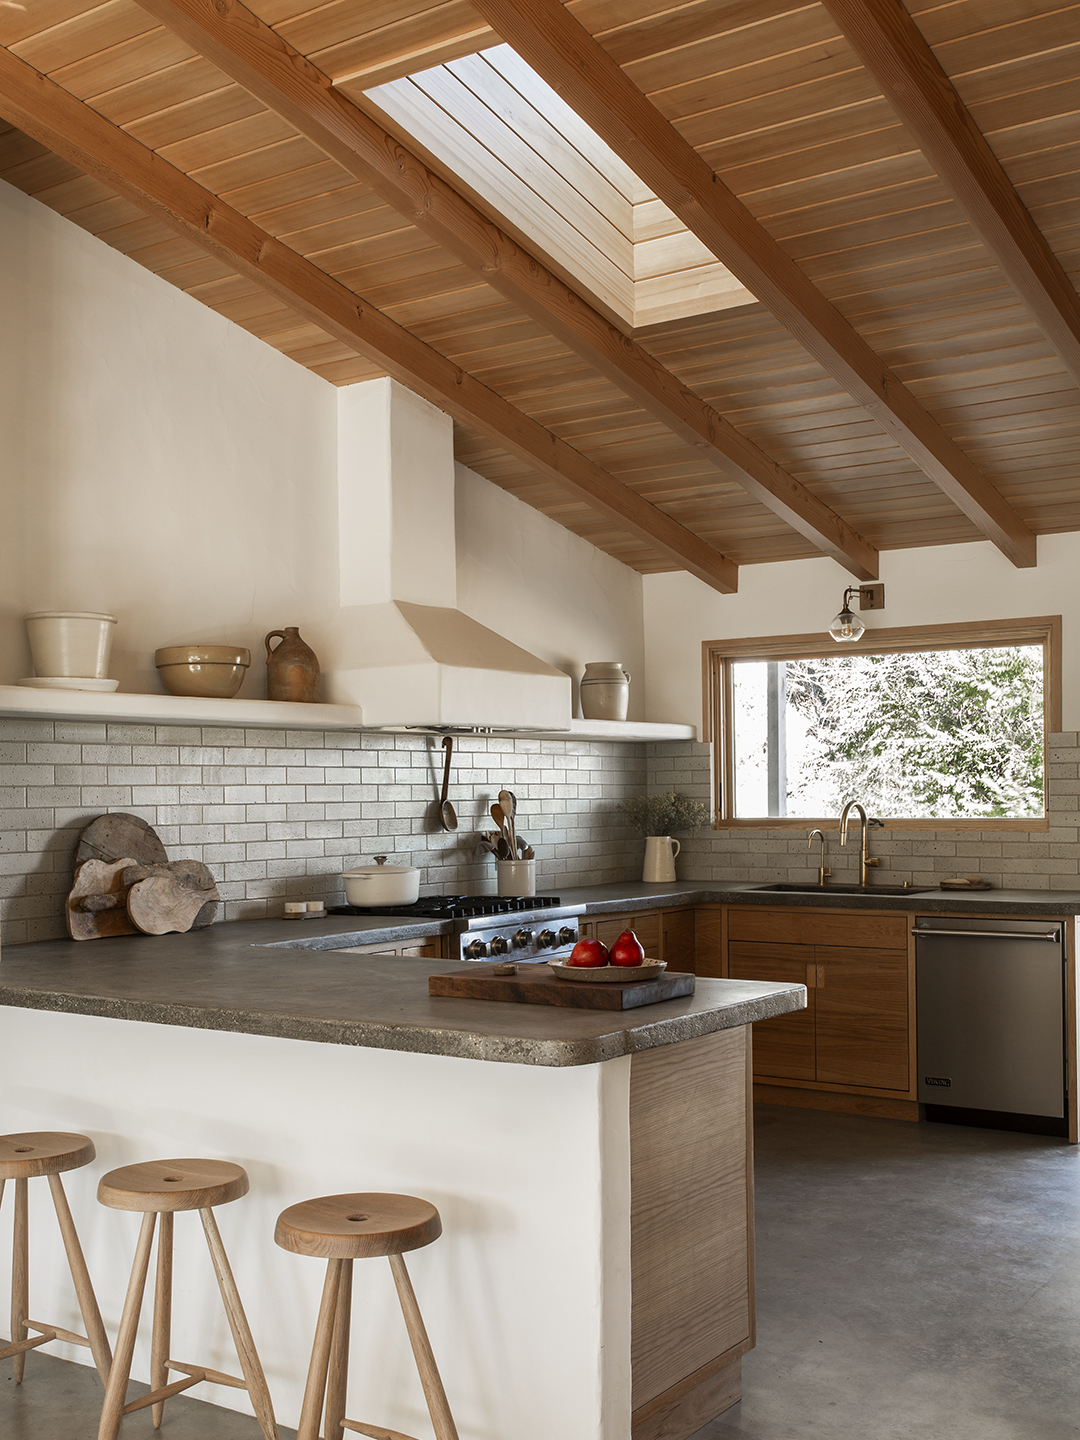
x=118 y=837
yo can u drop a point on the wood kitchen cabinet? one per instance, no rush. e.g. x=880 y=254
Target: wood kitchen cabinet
x=432 y=949
x=855 y=1035
x=665 y=934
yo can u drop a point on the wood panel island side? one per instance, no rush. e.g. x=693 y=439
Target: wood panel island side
x=593 y=1169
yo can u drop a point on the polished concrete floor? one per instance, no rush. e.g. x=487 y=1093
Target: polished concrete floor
x=915 y=1282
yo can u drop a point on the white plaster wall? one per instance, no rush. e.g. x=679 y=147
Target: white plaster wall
x=526 y=1296
x=162 y=465
x=545 y=588
x=159 y=463
x=922 y=587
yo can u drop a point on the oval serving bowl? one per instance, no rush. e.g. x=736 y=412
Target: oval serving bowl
x=647 y=970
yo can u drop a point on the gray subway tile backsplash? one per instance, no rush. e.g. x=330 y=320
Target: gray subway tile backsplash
x=278 y=814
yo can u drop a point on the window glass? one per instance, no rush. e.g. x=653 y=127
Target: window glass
x=922 y=734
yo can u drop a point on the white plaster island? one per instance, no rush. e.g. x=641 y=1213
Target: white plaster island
x=592 y=1169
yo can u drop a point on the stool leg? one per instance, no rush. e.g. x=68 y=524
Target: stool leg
x=315 y=1389
x=95 y=1330
x=434 y=1394
x=20 y=1277
x=162 y=1336
x=112 y=1411
x=339 y=1356
x=245 y=1345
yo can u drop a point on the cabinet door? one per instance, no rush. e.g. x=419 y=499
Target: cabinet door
x=677 y=939
x=784 y=1046
x=862 y=1017
x=645 y=927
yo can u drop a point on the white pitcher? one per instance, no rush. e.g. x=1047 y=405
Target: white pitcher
x=660 y=852
x=605 y=690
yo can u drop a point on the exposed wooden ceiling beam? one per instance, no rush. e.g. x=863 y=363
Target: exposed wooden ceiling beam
x=559 y=48
x=241 y=45
x=893 y=49
x=40 y=108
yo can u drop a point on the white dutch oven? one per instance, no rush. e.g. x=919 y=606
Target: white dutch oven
x=382 y=884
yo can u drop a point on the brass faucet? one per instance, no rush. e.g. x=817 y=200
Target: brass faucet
x=824 y=872
x=864 y=861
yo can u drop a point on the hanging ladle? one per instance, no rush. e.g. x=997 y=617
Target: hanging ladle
x=447 y=813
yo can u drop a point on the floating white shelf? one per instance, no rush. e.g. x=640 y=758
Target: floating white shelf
x=20 y=701
x=627 y=730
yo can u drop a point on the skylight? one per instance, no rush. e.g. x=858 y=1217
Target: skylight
x=516 y=147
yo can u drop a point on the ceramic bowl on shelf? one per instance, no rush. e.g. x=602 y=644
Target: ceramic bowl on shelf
x=210 y=672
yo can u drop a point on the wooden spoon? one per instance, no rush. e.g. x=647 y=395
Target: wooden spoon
x=447 y=813
x=499 y=816
x=509 y=806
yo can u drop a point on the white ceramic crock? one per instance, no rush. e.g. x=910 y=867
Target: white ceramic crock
x=605 y=690
x=660 y=852
x=71 y=643
x=516 y=877
x=382 y=884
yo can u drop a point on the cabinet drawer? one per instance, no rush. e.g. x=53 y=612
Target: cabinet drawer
x=802 y=927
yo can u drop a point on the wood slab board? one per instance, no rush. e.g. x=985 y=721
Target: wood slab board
x=536 y=985
x=120 y=836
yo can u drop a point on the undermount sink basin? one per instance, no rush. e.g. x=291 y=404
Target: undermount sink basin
x=848 y=889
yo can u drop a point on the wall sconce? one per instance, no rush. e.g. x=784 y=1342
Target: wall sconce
x=847 y=626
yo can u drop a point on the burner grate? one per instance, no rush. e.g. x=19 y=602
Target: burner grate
x=454 y=907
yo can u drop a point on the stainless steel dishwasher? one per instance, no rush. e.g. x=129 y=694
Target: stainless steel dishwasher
x=990 y=1002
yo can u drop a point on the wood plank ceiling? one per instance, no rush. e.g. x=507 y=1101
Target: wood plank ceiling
x=726 y=423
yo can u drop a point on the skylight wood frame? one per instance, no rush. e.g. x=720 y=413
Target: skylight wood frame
x=718 y=709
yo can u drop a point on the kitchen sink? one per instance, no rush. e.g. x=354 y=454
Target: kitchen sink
x=790 y=889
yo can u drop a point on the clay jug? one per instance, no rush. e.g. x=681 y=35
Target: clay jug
x=292 y=669
x=605 y=690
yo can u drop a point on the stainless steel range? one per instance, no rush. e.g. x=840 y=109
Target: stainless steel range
x=487 y=927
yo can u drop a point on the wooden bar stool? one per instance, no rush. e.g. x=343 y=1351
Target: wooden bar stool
x=344 y=1228
x=24 y=1158
x=162 y=1187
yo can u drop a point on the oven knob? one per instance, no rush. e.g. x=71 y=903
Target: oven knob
x=476 y=950
x=499 y=946
x=546 y=939
x=567 y=936
x=523 y=939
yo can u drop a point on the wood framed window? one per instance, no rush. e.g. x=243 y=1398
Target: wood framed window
x=935 y=727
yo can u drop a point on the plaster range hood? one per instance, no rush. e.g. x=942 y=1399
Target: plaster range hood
x=399 y=647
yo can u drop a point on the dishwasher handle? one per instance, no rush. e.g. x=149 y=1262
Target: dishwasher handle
x=1053 y=935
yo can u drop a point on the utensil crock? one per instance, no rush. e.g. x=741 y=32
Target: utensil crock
x=516 y=877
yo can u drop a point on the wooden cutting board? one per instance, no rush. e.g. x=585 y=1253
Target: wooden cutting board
x=536 y=985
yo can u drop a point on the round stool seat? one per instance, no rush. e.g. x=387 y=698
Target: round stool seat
x=43 y=1152
x=355 y=1227
x=159 y=1186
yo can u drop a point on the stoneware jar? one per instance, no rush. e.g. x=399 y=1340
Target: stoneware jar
x=660 y=852
x=605 y=690
x=292 y=668
x=71 y=643
x=516 y=877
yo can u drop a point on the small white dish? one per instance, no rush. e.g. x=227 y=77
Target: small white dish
x=647 y=970
x=69 y=682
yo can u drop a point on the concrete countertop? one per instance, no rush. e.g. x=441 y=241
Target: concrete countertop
x=224 y=979
x=601 y=899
